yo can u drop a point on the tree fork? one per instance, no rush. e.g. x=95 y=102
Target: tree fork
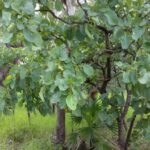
x=122 y=141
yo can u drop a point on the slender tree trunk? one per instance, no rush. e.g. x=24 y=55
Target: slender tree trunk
x=60 y=129
x=129 y=132
x=122 y=140
x=121 y=134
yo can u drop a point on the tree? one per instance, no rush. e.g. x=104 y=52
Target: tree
x=73 y=51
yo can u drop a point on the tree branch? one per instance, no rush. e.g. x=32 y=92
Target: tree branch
x=130 y=131
x=53 y=14
x=108 y=65
x=101 y=28
x=127 y=104
x=84 y=10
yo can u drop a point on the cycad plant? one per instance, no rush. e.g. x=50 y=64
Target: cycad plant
x=89 y=132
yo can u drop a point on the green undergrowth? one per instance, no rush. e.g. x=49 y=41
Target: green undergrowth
x=16 y=133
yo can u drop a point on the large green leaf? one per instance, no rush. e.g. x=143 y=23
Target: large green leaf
x=71 y=102
x=111 y=17
x=7 y=37
x=61 y=83
x=47 y=78
x=126 y=78
x=145 y=78
x=88 y=70
x=63 y=53
x=80 y=33
x=125 y=41
x=23 y=73
x=7 y=3
x=58 y=5
x=6 y=17
x=118 y=33
x=137 y=33
x=133 y=77
x=56 y=97
x=51 y=66
x=33 y=37
x=28 y=7
x=17 y=5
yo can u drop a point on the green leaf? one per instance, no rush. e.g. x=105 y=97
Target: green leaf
x=29 y=36
x=147 y=134
x=7 y=4
x=33 y=37
x=2 y=106
x=71 y=102
x=87 y=32
x=118 y=33
x=133 y=77
x=41 y=93
x=23 y=73
x=125 y=41
x=56 y=97
x=11 y=27
x=17 y=5
x=111 y=17
x=145 y=78
x=81 y=78
x=63 y=53
x=47 y=78
x=51 y=66
x=6 y=17
x=146 y=46
x=126 y=77
x=80 y=33
x=3 y=92
x=61 y=83
x=58 y=5
x=28 y=7
x=70 y=33
x=20 y=25
x=137 y=33
x=7 y=37
x=88 y=70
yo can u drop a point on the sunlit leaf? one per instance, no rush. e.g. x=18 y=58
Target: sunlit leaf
x=71 y=102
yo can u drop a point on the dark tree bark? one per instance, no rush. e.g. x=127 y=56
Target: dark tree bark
x=123 y=138
x=3 y=73
x=129 y=132
x=121 y=134
x=81 y=146
x=60 y=129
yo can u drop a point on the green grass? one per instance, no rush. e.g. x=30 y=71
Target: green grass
x=17 y=134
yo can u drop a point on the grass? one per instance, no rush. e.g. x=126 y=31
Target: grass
x=17 y=134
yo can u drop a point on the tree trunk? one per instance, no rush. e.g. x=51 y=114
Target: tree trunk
x=60 y=129
x=121 y=134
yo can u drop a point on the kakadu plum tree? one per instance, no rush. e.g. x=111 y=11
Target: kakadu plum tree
x=74 y=54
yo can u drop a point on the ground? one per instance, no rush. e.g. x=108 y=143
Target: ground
x=18 y=134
